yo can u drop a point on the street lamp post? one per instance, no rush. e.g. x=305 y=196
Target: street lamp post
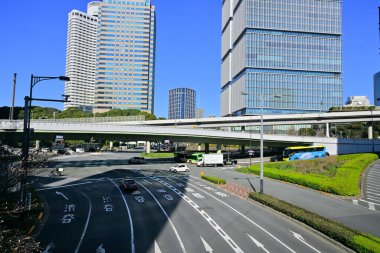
x=26 y=130
x=261 y=97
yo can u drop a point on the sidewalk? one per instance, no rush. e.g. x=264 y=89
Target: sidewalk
x=329 y=206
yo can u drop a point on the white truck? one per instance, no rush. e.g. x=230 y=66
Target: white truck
x=211 y=160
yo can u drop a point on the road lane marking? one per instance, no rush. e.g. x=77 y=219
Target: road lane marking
x=86 y=225
x=371 y=206
x=214 y=225
x=61 y=194
x=207 y=246
x=50 y=246
x=355 y=202
x=258 y=244
x=167 y=216
x=242 y=215
x=130 y=218
x=100 y=249
x=156 y=248
x=147 y=181
x=300 y=238
x=63 y=186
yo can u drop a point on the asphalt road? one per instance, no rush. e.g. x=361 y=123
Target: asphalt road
x=343 y=210
x=171 y=212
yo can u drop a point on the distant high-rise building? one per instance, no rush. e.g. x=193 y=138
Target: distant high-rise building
x=199 y=113
x=113 y=58
x=181 y=103
x=80 y=56
x=125 y=56
x=290 y=48
x=357 y=101
x=376 y=87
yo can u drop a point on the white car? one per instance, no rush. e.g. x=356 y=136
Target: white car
x=180 y=167
x=79 y=150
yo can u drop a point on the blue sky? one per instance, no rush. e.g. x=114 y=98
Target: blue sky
x=33 y=41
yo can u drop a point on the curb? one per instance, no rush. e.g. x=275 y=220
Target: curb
x=331 y=240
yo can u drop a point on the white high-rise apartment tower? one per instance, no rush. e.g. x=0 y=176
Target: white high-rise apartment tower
x=123 y=58
x=80 y=56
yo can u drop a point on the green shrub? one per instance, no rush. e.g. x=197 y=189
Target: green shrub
x=215 y=180
x=338 y=175
x=158 y=155
x=360 y=242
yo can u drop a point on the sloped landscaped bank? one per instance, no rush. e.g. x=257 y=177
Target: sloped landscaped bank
x=338 y=175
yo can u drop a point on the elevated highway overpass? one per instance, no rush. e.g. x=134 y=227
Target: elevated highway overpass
x=145 y=132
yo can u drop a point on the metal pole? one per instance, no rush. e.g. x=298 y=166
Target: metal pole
x=13 y=97
x=261 y=149
x=250 y=143
x=24 y=164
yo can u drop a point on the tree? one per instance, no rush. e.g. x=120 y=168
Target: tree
x=38 y=112
x=13 y=220
x=74 y=112
x=307 y=132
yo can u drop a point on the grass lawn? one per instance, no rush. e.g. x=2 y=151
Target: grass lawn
x=338 y=175
x=158 y=155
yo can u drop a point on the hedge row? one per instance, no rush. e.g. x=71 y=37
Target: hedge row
x=345 y=182
x=215 y=180
x=158 y=155
x=360 y=242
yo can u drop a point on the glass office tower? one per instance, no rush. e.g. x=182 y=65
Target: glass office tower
x=290 y=48
x=125 y=56
x=376 y=89
x=181 y=103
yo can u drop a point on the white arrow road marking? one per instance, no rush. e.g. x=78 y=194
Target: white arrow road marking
x=258 y=244
x=236 y=211
x=207 y=217
x=100 y=249
x=207 y=247
x=50 y=246
x=167 y=216
x=60 y=193
x=299 y=237
x=156 y=248
x=129 y=216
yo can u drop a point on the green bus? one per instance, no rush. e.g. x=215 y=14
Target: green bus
x=194 y=158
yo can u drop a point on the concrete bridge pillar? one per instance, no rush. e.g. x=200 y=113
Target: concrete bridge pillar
x=147 y=145
x=242 y=149
x=37 y=144
x=207 y=148
x=111 y=145
x=327 y=130
x=370 y=132
x=199 y=147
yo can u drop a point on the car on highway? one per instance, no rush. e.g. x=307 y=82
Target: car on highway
x=229 y=161
x=79 y=150
x=136 y=160
x=276 y=158
x=179 y=168
x=128 y=184
x=69 y=151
